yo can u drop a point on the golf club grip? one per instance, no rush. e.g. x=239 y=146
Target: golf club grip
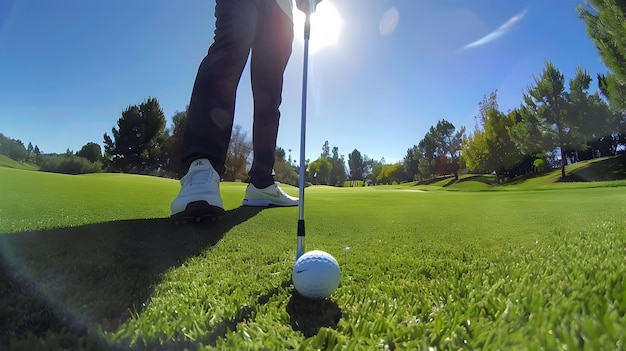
x=301 y=227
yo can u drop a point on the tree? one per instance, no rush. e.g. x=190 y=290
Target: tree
x=29 y=151
x=475 y=152
x=552 y=118
x=356 y=165
x=591 y=115
x=448 y=144
x=490 y=148
x=618 y=137
x=427 y=155
x=174 y=145
x=325 y=150
x=238 y=155
x=338 y=170
x=284 y=172
x=368 y=164
x=138 y=134
x=606 y=26
x=410 y=163
x=18 y=151
x=390 y=173
x=319 y=170
x=37 y=153
x=375 y=170
x=91 y=151
x=440 y=149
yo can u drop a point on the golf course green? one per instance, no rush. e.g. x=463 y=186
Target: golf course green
x=92 y=262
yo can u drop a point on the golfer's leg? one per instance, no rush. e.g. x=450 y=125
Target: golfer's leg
x=270 y=54
x=212 y=106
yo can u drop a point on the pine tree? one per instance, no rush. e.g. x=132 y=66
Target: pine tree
x=606 y=26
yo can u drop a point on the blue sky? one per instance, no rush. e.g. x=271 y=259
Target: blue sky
x=69 y=68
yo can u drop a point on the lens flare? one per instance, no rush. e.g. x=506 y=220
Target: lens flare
x=389 y=21
x=325 y=26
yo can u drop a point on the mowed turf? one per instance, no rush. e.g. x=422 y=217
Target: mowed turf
x=7 y=162
x=92 y=261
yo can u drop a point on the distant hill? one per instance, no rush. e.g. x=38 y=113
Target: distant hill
x=599 y=169
x=5 y=161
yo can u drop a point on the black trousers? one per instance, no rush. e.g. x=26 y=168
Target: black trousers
x=241 y=27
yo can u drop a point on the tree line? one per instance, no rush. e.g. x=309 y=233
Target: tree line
x=555 y=124
x=551 y=122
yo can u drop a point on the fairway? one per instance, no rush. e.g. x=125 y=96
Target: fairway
x=92 y=260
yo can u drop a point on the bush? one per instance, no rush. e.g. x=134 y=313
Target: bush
x=540 y=164
x=69 y=165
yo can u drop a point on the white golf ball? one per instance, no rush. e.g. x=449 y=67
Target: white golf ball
x=316 y=274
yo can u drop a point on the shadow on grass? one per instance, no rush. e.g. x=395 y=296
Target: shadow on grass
x=245 y=313
x=434 y=180
x=64 y=279
x=613 y=168
x=309 y=316
x=306 y=316
x=571 y=178
x=485 y=179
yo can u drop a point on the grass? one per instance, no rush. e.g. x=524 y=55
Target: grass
x=91 y=261
x=604 y=171
x=5 y=161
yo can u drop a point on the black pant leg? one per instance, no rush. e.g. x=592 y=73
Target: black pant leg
x=212 y=106
x=270 y=53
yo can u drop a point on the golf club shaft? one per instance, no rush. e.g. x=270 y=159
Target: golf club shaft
x=301 y=230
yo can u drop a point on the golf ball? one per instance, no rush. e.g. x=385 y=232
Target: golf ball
x=316 y=274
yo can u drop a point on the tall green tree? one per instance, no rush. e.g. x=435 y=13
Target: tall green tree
x=368 y=166
x=449 y=142
x=356 y=165
x=426 y=156
x=174 y=145
x=338 y=170
x=284 y=171
x=441 y=146
x=29 y=151
x=136 y=142
x=411 y=164
x=319 y=171
x=618 y=137
x=325 y=150
x=390 y=173
x=606 y=26
x=589 y=113
x=550 y=119
x=238 y=154
x=91 y=151
x=375 y=170
x=18 y=151
x=37 y=153
x=490 y=148
x=13 y=148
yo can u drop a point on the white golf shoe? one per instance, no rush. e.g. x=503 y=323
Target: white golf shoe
x=271 y=196
x=199 y=194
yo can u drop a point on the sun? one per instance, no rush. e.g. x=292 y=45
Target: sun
x=325 y=26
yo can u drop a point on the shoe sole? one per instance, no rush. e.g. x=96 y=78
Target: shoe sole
x=263 y=203
x=197 y=211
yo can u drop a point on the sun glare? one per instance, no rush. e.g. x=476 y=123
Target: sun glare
x=325 y=26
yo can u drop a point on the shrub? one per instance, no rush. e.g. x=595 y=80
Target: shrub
x=69 y=165
x=540 y=164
